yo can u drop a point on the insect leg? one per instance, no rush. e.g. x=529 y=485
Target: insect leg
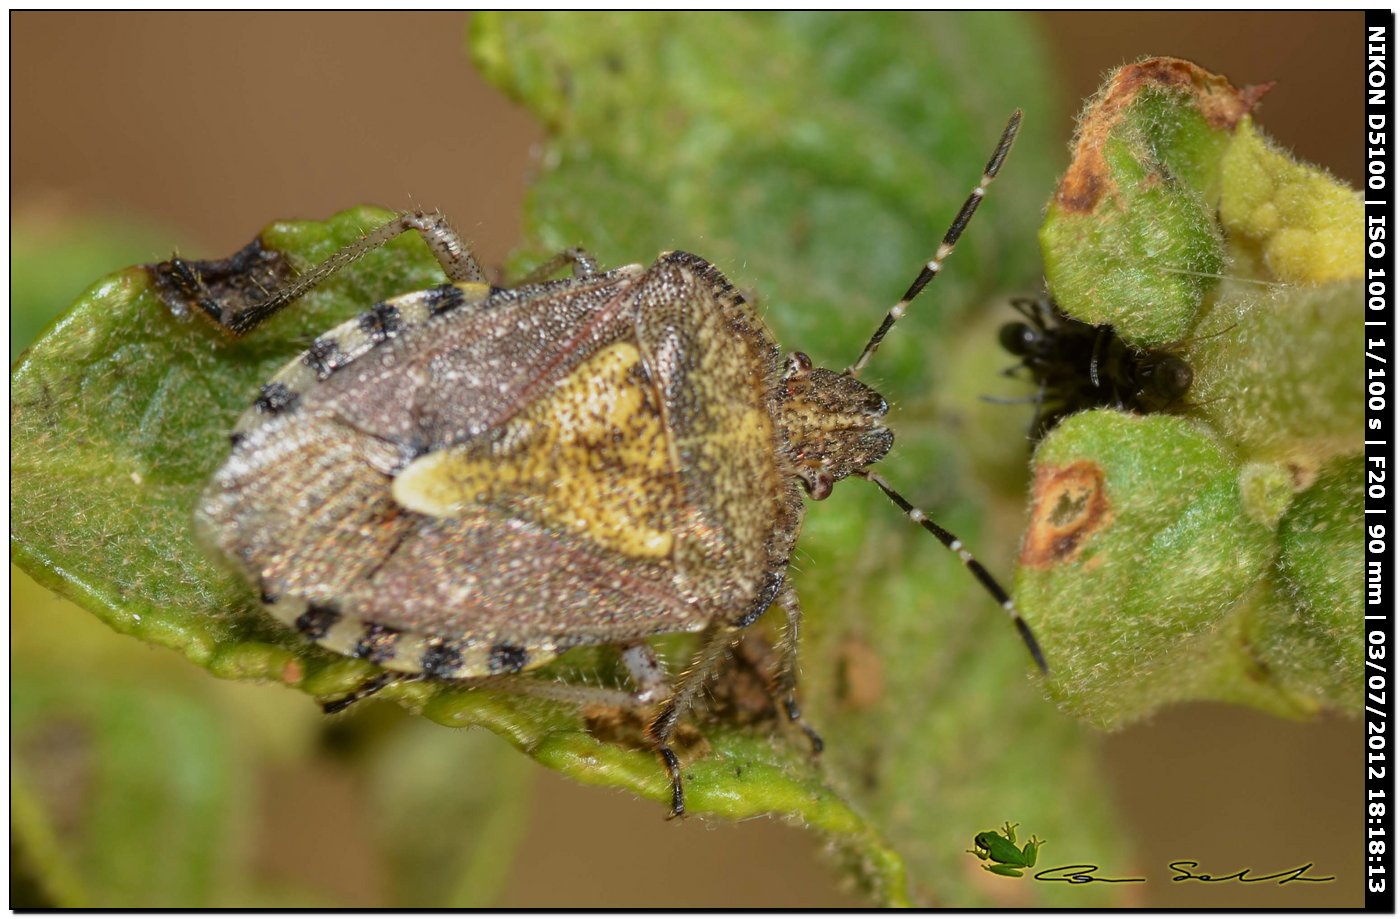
x=371 y=686
x=983 y=576
x=1040 y=423
x=714 y=641
x=1009 y=400
x=583 y=263
x=242 y=307
x=1099 y=340
x=540 y=688
x=515 y=684
x=787 y=674
x=452 y=253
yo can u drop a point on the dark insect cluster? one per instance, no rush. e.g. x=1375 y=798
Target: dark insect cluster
x=1078 y=366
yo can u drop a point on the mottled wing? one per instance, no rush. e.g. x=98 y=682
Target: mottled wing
x=441 y=366
x=536 y=563
x=716 y=367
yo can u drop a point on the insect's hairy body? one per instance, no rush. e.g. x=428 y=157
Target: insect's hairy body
x=609 y=458
x=467 y=481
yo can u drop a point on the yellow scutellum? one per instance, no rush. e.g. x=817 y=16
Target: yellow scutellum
x=1304 y=224
x=589 y=457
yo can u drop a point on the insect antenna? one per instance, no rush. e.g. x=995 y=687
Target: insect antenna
x=988 y=582
x=945 y=249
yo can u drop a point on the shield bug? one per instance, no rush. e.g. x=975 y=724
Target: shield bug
x=467 y=481
x=1078 y=366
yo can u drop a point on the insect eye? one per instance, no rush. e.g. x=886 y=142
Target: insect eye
x=1018 y=338
x=798 y=364
x=817 y=479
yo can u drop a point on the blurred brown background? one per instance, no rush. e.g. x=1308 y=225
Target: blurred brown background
x=208 y=126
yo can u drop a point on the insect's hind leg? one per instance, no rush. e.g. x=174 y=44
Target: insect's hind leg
x=514 y=683
x=235 y=292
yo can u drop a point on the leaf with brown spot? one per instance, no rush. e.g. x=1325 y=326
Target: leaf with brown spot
x=1068 y=505
x=1129 y=239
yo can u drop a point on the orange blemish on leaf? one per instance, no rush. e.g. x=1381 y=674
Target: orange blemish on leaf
x=292 y=672
x=1068 y=505
x=1088 y=180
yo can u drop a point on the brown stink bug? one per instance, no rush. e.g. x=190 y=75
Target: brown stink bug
x=465 y=482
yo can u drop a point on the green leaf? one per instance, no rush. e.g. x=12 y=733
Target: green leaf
x=1307 y=638
x=1203 y=556
x=121 y=414
x=1130 y=238
x=1169 y=566
x=816 y=160
x=1279 y=375
x=1298 y=221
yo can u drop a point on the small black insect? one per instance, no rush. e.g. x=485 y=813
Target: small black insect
x=1078 y=366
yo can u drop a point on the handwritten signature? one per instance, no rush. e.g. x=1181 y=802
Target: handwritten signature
x=1283 y=877
x=1085 y=874
x=1081 y=874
